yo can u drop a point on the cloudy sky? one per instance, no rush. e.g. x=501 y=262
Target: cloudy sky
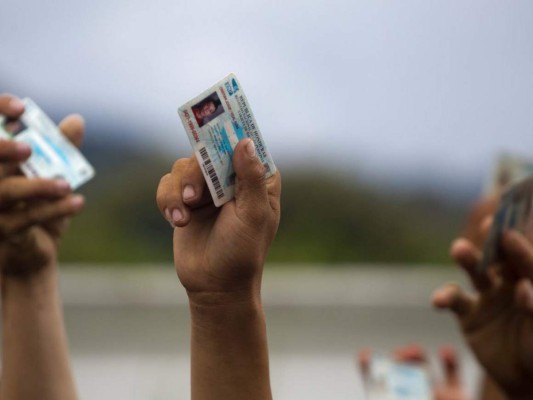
x=387 y=87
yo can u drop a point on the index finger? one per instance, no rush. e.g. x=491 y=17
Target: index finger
x=518 y=254
x=13 y=152
x=450 y=363
x=11 y=106
x=194 y=189
x=363 y=360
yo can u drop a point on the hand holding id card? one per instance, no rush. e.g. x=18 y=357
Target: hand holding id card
x=53 y=156
x=515 y=212
x=215 y=121
x=391 y=380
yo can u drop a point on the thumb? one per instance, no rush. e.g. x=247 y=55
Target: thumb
x=251 y=195
x=73 y=128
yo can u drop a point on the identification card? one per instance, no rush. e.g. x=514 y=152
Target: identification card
x=53 y=156
x=515 y=211
x=391 y=380
x=215 y=121
x=508 y=169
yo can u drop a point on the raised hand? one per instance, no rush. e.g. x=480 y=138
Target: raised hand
x=450 y=388
x=219 y=255
x=221 y=251
x=34 y=213
x=497 y=321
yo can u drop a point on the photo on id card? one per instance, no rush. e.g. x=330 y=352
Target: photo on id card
x=53 y=156
x=12 y=127
x=207 y=109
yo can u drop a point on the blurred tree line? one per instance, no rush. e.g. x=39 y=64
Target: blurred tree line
x=325 y=218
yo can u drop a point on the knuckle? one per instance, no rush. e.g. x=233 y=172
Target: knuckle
x=8 y=187
x=193 y=173
x=173 y=198
x=258 y=169
x=163 y=182
x=164 y=179
x=275 y=204
x=162 y=189
x=33 y=215
x=7 y=147
x=61 y=209
x=256 y=216
x=257 y=175
x=179 y=165
x=12 y=225
x=4 y=100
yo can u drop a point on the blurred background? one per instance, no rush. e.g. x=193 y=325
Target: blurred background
x=384 y=117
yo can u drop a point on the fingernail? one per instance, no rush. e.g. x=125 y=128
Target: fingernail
x=169 y=218
x=177 y=215
x=77 y=200
x=80 y=118
x=22 y=149
x=188 y=192
x=250 y=148
x=62 y=184
x=16 y=106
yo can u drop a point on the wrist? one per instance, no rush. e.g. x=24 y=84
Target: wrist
x=229 y=347
x=37 y=283
x=222 y=309
x=223 y=298
x=21 y=266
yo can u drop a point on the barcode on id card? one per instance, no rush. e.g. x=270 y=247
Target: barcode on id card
x=211 y=172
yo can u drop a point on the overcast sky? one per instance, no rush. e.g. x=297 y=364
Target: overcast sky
x=388 y=86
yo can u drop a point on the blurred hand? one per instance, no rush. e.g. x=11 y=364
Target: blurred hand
x=484 y=208
x=34 y=213
x=219 y=252
x=497 y=322
x=451 y=388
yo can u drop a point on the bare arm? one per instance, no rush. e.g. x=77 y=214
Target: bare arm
x=497 y=322
x=219 y=255
x=35 y=363
x=229 y=351
x=34 y=213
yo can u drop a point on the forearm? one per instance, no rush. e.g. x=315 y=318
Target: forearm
x=35 y=360
x=229 y=351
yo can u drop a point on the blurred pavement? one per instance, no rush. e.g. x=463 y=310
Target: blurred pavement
x=129 y=332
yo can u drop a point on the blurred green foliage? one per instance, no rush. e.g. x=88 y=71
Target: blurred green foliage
x=325 y=219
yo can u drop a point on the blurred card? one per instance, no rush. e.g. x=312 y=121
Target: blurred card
x=514 y=212
x=391 y=380
x=53 y=156
x=508 y=169
x=215 y=121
